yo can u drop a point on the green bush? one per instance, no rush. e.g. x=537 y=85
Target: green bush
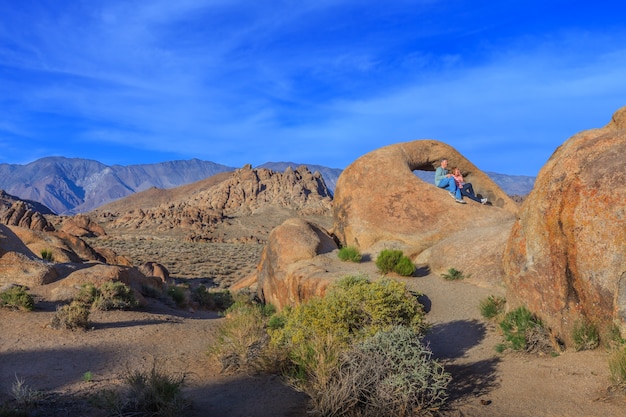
x=350 y=253
x=71 y=316
x=585 y=335
x=17 y=298
x=454 y=275
x=389 y=374
x=523 y=331
x=352 y=309
x=213 y=300
x=405 y=267
x=177 y=293
x=492 y=306
x=388 y=259
x=47 y=255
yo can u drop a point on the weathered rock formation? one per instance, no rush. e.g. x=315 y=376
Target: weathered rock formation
x=76 y=263
x=22 y=214
x=244 y=192
x=566 y=256
x=288 y=272
x=379 y=200
x=81 y=225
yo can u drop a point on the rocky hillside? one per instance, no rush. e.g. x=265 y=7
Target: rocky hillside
x=199 y=210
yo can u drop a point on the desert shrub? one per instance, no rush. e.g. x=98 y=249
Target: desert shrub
x=88 y=376
x=405 y=267
x=242 y=340
x=74 y=315
x=349 y=253
x=454 y=274
x=23 y=394
x=213 y=300
x=492 y=306
x=177 y=293
x=585 y=335
x=114 y=295
x=16 y=297
x=387 y=260
x=111 y=295
x=353 y=308
x=153 y=393
x=523 y=331
x=389 y=374
x=617 y=366
x=47 y=255
x=612 y=337
x=87 y=294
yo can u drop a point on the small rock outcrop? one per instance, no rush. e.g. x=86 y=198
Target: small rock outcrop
x=21 y=214
x=287 y=273
x=81 y=225
x=566 y=255
x=154 y=269
x=378 y=199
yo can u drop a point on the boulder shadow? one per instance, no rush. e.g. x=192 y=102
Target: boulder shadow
x=425 y=301
x=421 y=271
x=472 y=379
x=453 y=339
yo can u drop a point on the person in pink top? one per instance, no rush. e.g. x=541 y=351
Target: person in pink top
x=465 y=187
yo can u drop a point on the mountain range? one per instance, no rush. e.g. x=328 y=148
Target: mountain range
x=76 y=185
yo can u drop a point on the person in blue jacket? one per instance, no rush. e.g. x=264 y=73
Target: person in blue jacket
x=445 y=180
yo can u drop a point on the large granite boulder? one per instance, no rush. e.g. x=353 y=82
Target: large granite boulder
x=380 y=202
x=290 y=270
x=566 y=255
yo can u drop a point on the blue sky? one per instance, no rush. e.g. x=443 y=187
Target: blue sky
x=320 y=82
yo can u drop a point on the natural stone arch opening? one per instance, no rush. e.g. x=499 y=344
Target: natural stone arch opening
x=379 y=198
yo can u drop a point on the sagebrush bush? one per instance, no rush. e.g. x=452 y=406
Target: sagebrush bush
x=242 y=339
x=492 y=306
x=114 y=295
x=111 y=295
x=74 y=315
x=524 y=331
x=585 y=335
x=17 y=297
x=350 y=253
x=389 y=374
x=152 y=393
x=352 y=309
x=387 y=260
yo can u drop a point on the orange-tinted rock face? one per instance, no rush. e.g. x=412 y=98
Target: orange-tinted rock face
x=378 y=198
x=286 y=275
x=566 y=256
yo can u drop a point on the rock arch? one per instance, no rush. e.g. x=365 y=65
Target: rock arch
x=379 y=200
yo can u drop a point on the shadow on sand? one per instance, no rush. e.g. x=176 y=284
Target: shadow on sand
x=450 y=342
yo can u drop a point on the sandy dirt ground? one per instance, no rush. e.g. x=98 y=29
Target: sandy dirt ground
x=485 y=383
